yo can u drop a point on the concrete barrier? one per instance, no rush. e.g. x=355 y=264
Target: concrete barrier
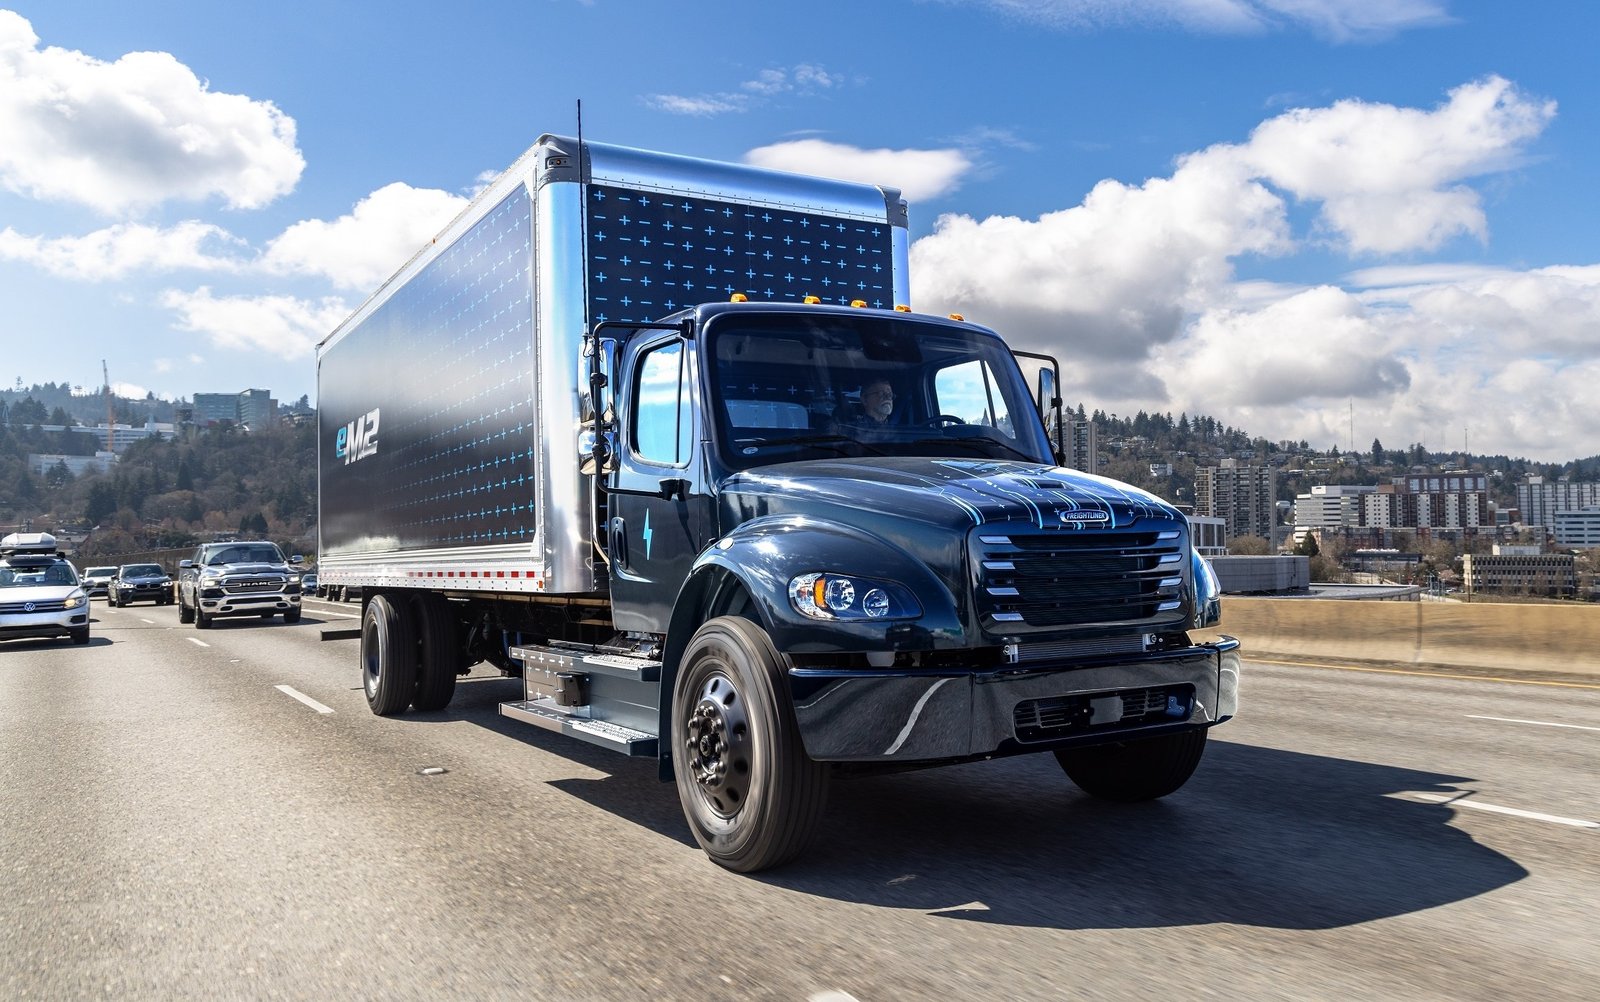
x=1558 y=639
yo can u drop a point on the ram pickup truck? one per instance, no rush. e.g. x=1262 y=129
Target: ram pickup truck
x=238 y=579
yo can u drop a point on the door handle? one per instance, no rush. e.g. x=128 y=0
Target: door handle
x=617 y=541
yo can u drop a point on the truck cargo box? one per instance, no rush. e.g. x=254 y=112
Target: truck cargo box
x=450 y=403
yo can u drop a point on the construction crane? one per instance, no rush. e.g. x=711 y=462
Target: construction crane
x=111 y=411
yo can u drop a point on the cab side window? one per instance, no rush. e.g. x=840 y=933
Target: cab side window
x=970 y=392
x=661 y=422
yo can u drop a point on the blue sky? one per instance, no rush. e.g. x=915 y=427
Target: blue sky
x=1270 y=211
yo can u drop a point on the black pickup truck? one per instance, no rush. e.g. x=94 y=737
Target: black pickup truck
x=238 y=579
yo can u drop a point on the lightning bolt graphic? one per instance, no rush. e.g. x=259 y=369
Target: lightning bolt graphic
x=646 y=534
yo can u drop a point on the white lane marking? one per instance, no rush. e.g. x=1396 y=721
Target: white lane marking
x=1536 y=723
x=916 y=711
x=302 y=697
x=832 y=996
x=197 y=641
x=150 y=621
x=339 y=615
x=1460 y=800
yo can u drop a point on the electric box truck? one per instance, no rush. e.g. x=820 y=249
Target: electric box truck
x=661 y=438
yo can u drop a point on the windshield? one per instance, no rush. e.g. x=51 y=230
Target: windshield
x=258 y=553
x=142 y=571
x=789 y=386
x=100 y=572
x=35 y=575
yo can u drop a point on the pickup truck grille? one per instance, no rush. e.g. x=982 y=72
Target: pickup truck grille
x=252 y=586
x=1064 y=578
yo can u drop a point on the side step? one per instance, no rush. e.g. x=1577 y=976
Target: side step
x=588 y=660
x=630 y=742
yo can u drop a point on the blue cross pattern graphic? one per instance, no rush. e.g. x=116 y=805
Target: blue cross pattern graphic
x=650 y=254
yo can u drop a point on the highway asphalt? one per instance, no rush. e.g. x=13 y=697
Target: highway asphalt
x=215 y=814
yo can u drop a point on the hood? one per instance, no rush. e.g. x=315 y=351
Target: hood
x=36 y=593
x=145 y=578
x=251 y=568
x=955 y=493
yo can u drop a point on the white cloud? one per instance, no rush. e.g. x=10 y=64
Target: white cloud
x=130 y=134
x=362 y=249
x=283 y=326
x=802 y=79
x=1338 y=20
x=117 y=251
x=1135 y=287
x=919 y=174
x=1391 y=179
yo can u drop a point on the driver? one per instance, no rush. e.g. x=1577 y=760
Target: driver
x=877 y=401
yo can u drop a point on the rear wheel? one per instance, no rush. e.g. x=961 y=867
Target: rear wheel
x=752 y=796
x=185 y=614
x=1130 y=771
x=388 y=656
x=438 y=652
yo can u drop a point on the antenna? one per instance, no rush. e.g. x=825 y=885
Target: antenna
x=111 y=422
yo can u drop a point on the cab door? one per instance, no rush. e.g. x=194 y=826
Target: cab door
x=660 y=513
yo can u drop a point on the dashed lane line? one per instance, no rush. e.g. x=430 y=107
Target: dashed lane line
x=1535 y=723
x=1461 y=800
x=197 y=641
x=293 y=693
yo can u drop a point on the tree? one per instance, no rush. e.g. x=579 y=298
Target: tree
x=1377 y=453
x=1307 y=547
x=101 y=503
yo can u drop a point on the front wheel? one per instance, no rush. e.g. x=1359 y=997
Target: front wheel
x=80 y=636
x=1130 y=771
x=201 y=620
x=752 y=796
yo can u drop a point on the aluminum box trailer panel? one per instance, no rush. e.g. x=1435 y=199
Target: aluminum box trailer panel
x=449 y=403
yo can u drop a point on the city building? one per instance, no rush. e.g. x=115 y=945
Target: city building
x=1083 y=446
x=1210 y=535
x=122 y=435
x=1520 y=570
x=1243 y=496
x=251 y=408
x=1329 y=506
x=101 y=462
x=1579 y=527
x=1540 y=498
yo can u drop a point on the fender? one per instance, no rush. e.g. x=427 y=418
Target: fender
x=761 y=557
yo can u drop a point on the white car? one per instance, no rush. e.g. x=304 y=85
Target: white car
x=97 y=580
x=40 y=595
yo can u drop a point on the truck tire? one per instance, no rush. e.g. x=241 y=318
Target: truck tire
x=201 y=620
x=752 y=796
x=185 y=614
x=1130 y=771
x=438 y=652
x=388 y=656
x=292 y=616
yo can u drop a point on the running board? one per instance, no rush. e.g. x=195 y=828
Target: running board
x=636 y=744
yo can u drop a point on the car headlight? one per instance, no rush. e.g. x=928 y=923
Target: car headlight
x=210 y=575
x=1207 y=592
x=76 y=599
x=847 y=597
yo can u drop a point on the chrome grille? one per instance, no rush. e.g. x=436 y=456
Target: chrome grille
x=1064 y=578
x=252 y=586
x=42 y=605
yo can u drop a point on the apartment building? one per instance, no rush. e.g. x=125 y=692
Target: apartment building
x=1244 y=496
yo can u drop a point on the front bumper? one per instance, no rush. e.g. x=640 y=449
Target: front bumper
x=145 y=593
x=874 y=715
x=15 y=626
x=212 y=603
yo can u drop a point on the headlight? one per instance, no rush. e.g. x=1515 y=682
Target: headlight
x=1207 y=592
x=294 y=579
x=846 y=597
x=76 y=599
x=211 y=575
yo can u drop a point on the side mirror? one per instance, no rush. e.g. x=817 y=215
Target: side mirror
x=297 y=559
x=184 y=564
